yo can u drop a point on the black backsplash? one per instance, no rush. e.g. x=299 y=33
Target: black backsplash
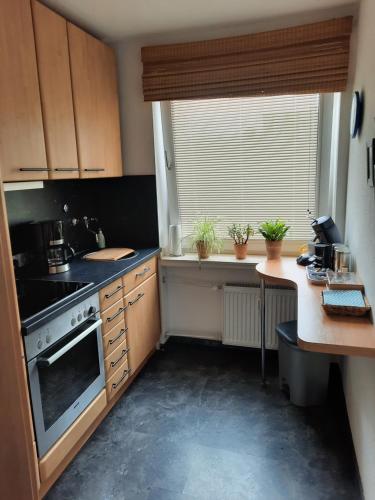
x=125 y=207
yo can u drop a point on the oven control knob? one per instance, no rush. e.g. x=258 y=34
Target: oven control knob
x=40 y=344
x=48 y=339
x=85 y=313
x=92 y=310
x=73 y=322
x=79 y=317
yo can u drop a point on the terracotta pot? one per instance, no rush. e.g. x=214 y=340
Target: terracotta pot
x=273 y=249
x=240 y=250
x=202 y=249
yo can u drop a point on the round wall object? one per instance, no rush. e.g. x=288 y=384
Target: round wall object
x=356 y=114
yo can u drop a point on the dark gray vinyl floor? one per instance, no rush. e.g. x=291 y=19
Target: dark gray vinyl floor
x=196 y=424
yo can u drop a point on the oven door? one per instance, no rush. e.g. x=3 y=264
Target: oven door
x=64 y=380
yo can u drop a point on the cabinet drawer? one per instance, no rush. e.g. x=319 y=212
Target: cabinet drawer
x=112 y=316
x=110 y=294
x=139 y=274
x=114 y=338
x=117 y=380
x=116 y=359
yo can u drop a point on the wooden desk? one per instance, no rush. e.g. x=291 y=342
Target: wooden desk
x=318 y=331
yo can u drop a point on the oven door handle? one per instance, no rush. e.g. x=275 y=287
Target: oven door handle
x=45 y=362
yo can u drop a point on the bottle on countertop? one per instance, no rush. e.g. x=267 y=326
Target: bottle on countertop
x=100 y=239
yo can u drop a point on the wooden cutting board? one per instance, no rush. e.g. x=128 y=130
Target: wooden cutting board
x=109 y=254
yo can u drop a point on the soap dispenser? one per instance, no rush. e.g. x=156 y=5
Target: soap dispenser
x=100 y=239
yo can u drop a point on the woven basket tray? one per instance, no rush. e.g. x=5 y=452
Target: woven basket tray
x=346 y=310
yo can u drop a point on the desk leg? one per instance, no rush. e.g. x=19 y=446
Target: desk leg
x=263 y=328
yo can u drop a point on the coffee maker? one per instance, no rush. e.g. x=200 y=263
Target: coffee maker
x=321 y=249
x=52 y=251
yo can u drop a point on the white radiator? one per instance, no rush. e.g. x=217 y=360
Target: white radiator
x=242 y=314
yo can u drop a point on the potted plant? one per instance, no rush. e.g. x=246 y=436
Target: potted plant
x=240 y=235
x=274 y=232
x=205 y=238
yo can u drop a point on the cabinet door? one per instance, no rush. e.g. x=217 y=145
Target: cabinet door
x=96 y=105
x=22 y=150
x=143 y=321
x=51 y=40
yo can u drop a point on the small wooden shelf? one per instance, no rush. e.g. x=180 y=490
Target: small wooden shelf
x=317 y=331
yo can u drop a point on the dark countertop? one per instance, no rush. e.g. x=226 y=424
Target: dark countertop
x=99 y=274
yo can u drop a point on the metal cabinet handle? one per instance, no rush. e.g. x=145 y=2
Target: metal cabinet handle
x=94 y=169
x=124 y=352
x=66 y=169
x=111 y=318
x=126 y=372
x=42 y=361
x=121 y=333
x=109 y=295
x=35 y=169
x=145 y=270
x=139 y=296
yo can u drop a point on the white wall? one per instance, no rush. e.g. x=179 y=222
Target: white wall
x=136 y=115
x=359 y=373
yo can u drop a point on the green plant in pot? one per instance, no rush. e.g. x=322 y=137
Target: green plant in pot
x=240 y=234
x=273 y=231
x=205 y=239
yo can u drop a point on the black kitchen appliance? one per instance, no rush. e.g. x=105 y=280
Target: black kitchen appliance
x=53 y=253
x=326 y=230
x=326 y=234
x=37 y=296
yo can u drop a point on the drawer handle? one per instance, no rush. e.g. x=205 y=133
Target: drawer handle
x=66 y=169
x=34 y=169
x=124 y=352
x=121 y=333
x=109 y=295
x=116 y=384
x=94 y=169
x=111 y=318
x=139 y=296
x=145 y=270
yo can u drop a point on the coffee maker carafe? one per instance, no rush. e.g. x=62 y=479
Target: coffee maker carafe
x=57 y=253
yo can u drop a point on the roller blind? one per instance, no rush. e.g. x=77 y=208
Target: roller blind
x=312 y=58
x=245 y=160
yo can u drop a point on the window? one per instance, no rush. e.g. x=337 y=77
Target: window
x=247 y=160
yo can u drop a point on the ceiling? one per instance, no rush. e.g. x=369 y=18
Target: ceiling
x=117 y=19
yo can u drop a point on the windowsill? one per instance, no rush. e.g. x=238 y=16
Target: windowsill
x=215 y=260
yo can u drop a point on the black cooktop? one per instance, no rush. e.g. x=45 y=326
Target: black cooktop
x=35 y=296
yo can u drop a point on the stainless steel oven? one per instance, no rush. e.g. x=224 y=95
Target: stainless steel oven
x=66 y=369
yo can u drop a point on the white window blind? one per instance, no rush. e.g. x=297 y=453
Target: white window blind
x=246 y=160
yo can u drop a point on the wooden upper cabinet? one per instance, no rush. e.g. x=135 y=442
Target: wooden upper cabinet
x=51 y=40
x=21 y=126
x=96 y=105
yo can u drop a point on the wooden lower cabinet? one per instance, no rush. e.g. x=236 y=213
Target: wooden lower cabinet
x=117 y=380
x=112 y=316
x=116 y=359
x=142 y=319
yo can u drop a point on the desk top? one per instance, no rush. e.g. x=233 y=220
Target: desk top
x=318 y=331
